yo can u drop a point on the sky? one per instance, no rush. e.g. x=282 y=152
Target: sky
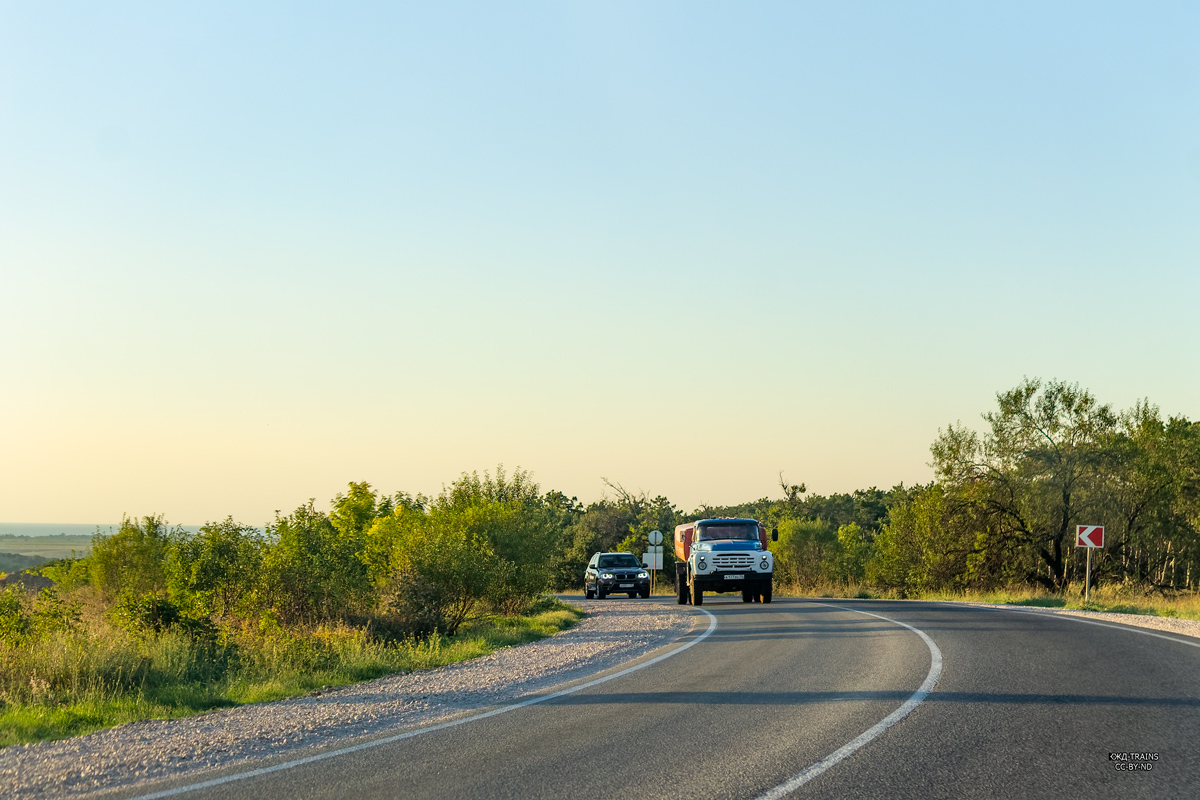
x=250 y=252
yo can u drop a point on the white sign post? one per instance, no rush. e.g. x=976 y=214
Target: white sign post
x=1091 y=537
x=653 y=558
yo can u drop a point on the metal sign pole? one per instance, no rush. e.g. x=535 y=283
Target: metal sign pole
x=1087 y=580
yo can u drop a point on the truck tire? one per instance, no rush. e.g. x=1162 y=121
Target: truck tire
x=683 y=593
x=747 y=597
x=697 y=596
x=766 y=595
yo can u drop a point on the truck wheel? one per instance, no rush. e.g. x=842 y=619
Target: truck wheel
x=683 y=594
x=747 y=597
x=766 y=595
x=697 y=596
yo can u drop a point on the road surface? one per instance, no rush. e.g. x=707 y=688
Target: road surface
x=835 y=692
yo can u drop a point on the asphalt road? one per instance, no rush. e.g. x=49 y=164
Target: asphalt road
x=1025 y=706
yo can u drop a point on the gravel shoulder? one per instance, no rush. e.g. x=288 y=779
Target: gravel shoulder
x=613 y=633
x=1184 y=627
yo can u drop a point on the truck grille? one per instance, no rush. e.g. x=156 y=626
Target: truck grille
x=733 y=561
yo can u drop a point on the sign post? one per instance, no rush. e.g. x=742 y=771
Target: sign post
x=1091 y=537
x=653 y=558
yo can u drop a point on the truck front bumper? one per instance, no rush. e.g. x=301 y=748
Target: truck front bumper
x=733 y=581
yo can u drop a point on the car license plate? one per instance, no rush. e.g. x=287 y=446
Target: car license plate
x=625 y=586
x=734 y=577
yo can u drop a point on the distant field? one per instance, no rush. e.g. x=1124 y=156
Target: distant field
x=54 y=539
x=45 y=546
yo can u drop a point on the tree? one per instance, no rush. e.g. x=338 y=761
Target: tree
x=217 y=571
x=1151 y=500
x=440 y=571
x=312 y=571
x=133 y=560
x=804 y=551
x=1036 y=473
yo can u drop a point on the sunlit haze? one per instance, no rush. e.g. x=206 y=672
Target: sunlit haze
x=251 y=252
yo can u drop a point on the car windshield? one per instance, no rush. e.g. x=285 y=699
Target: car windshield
x=740 y=530
x=619 y=560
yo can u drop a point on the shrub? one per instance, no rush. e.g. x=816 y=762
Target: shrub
x=133 y=559
x=312 y=572
x=217 y=570
x=14 y=621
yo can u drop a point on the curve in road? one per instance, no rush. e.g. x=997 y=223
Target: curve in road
x=764 y=704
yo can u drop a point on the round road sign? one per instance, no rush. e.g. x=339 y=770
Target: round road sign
x=655 y=537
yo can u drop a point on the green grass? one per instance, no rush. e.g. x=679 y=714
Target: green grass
x=80 y=684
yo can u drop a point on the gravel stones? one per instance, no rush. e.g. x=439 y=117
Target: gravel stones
x=613 y=633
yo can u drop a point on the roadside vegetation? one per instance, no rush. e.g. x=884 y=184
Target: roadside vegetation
x=82 y=679
x=160 y=622
x=1109 y=598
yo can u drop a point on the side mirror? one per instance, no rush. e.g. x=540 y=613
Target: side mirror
x=774 y=534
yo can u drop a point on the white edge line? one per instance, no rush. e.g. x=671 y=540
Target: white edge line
x=712 y=626
x=1051 y=613
x=864 y=738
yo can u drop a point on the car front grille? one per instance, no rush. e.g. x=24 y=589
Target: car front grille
x=733 y=561
x=624 y=576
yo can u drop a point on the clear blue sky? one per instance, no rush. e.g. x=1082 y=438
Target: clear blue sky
x=250 y=252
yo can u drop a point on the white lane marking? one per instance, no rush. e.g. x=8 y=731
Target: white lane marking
x=712 y=626
x=1049 y=613
x=863 y=739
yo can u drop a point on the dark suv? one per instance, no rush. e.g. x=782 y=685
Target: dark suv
x=610 y=573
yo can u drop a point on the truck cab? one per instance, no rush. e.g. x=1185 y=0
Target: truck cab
x=723 y=555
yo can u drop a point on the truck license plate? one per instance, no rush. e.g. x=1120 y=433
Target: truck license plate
x=734 y=577
x=625 y=586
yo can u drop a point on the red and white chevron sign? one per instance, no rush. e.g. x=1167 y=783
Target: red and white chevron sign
x=1089 y=536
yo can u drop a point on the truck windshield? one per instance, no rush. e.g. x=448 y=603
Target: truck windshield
x=621 y=560
x=742 y=531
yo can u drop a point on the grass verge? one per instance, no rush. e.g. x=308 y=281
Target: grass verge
x=56 y=710
x=1111 y=599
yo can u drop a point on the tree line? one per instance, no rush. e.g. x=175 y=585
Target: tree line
x=1001 y=511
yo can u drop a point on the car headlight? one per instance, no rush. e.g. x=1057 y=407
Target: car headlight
x=606 y=576
x=643 y=574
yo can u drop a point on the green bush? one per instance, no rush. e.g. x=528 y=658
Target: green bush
x=132 y=560
x=312 y=572
x=217 y=571
x=14 y=621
